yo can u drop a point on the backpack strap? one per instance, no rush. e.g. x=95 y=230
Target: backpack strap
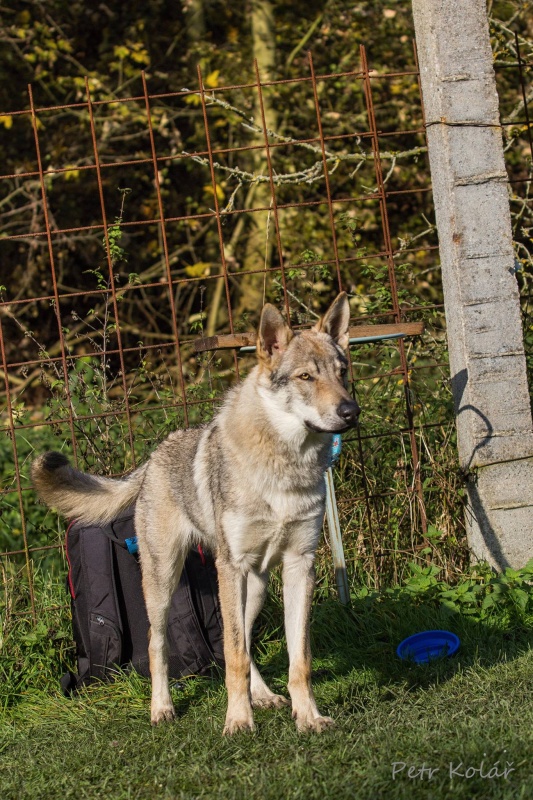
x=187 y=637
x=105 y=627
x=204 y=586
x=130 y=544
x=71 y=682
x=95 y=611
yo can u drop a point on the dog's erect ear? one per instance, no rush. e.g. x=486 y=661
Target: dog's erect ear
x=336 y=321
x=274 y=334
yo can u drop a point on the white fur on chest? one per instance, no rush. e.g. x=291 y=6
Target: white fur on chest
x=272 y=501
x=260 y=534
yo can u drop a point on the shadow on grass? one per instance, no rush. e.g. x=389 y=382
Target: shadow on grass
x=365 y=635
x=359 y=640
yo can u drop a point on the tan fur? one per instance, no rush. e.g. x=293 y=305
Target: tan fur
x=85 y=497
x=250 y=487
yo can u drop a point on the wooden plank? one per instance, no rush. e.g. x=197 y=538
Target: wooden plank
x=229 y=340
x=225 y=341
x=407 y=328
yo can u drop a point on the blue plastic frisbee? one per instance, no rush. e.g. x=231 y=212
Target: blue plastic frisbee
x=428 y=645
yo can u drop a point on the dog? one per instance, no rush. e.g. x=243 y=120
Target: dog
x=250 y=487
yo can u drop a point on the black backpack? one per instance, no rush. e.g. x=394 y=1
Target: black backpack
x=109 y=619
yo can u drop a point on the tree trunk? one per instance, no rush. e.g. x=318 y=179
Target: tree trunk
x=258 y=248
x=195 y=21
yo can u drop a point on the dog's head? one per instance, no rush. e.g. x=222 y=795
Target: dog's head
x=306 y=372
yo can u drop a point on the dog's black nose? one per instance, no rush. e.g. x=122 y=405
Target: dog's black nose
x=349 y=411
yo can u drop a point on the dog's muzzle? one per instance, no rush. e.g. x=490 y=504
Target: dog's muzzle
x=349 y=412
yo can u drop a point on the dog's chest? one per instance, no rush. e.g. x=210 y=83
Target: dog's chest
x=259 y=533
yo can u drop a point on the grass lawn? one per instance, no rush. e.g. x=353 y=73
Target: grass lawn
x=473 y=712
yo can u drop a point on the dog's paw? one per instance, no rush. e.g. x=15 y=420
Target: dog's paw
x=270 y=701
x=308 y=724
x=163 y=714
x=237 y=725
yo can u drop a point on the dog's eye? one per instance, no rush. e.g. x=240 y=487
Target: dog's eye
x=344 y=372
x=305 y=376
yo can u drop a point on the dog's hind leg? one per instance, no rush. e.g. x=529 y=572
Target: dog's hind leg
x=256 y=588
x=298 y=586
x=161 y=572
x=232 y=592
x=159 y=583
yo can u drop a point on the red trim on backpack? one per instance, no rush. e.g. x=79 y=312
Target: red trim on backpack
x=202 y=556
x=69 y=576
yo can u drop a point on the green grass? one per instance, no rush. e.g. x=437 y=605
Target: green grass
x=477 y=706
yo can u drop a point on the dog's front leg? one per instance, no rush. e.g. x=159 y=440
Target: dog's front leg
x=256 y=588
x=298 y=586
x=232 y=591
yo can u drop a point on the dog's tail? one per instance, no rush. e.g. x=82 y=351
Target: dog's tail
x=75 y=494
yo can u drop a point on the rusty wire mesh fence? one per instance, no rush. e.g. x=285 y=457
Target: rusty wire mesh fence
x=99 y=349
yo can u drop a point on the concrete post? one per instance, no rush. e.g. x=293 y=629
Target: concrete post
x=492 y=406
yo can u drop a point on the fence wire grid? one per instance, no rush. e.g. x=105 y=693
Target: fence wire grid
x=99 y=331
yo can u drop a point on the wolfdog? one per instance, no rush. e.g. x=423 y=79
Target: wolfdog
x=250 y=487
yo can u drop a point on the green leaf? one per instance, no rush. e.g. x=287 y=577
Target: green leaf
x=521 y=598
